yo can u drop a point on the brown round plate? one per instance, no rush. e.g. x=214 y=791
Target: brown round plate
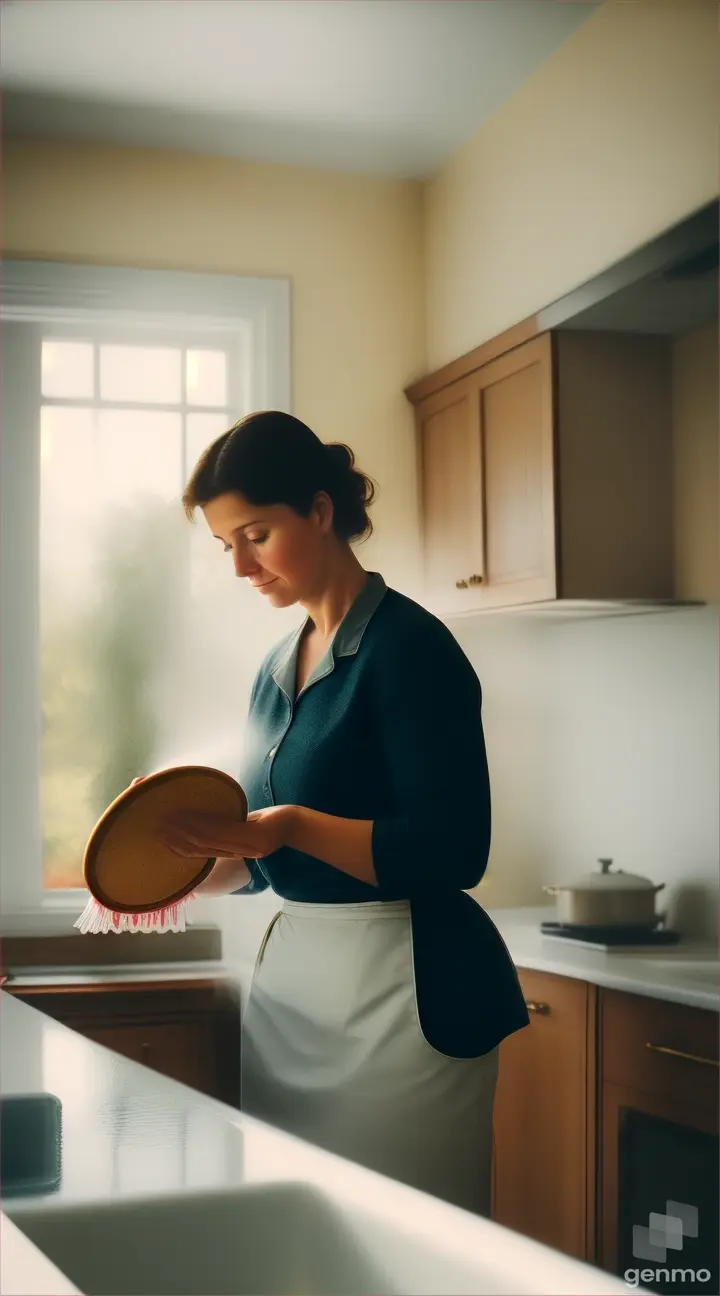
x=126 y=868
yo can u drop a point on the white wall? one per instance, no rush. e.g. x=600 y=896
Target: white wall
x=603 y=739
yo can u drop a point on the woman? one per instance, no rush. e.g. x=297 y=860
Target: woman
x=382 y=990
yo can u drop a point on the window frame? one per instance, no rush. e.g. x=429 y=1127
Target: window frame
x=58 y=298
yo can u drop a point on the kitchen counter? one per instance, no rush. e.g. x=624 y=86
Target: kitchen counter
x=682 y=973
x=672 y=973
x=126 y=974
x=130 y=1133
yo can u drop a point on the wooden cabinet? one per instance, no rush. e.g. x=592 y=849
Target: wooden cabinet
x=544 y=1130
x=607 y=1109
x=189 y=1031
x=696 y=443
x=658 y=1120
x=546 y=473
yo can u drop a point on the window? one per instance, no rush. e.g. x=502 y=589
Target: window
x=118 y=625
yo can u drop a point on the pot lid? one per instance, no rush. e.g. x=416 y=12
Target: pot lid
x=605 y=880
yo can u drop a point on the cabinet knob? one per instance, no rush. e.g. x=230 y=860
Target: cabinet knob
x=471 y=580
x=476 y=580
x=542 y=1009
x=145 y=1052
x=461 y=584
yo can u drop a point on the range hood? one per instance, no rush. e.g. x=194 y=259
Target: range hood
x=668 y=287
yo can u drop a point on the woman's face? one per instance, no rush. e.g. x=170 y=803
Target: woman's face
x=281 y=554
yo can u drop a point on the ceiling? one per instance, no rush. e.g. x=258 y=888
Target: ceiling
x=386 y=86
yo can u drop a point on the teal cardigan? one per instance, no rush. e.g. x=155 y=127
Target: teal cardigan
x=388 y=727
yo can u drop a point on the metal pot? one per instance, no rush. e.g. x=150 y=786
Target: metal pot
x=605 y=899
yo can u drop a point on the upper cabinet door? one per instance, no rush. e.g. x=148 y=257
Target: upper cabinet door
x=451 y=473
x=516 y=425
x=487 y=475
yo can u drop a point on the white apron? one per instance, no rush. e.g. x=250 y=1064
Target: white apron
x=332 y=1051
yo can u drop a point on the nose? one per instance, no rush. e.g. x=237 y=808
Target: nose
x=244 y=561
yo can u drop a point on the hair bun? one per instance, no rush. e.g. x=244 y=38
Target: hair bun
x=341 y=457
x=352 y=491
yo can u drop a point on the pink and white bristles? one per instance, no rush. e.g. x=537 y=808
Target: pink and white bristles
x=96 y=920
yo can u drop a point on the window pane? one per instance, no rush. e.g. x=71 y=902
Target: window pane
x=150 y=375
x=139 y=454
x=206 y=377
x=67 y=369
x=112 y=569
x=201 y=431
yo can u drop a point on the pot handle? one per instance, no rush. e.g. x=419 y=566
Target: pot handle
x=661 y=887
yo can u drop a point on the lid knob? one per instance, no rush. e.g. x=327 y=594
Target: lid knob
x=605 y=865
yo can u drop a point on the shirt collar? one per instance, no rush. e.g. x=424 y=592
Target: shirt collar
x=346 y=640
x=355 y=622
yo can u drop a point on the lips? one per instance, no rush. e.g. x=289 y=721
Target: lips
x=265 y=584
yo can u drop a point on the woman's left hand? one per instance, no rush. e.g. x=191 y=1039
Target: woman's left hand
x=195 y=835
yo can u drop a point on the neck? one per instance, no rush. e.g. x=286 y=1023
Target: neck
x=327 y=606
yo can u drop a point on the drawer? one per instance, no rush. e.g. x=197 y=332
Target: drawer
x=658 y=1047
x=557 y=1002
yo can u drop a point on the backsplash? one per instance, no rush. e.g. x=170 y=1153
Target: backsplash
x=603 y=739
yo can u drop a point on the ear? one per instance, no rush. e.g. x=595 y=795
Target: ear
x=322 y=511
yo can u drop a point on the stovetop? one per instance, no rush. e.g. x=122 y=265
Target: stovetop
x=623 y=939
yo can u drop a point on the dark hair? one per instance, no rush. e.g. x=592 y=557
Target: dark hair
x=273 y=458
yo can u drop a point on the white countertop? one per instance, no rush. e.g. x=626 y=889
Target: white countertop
x=660 y=972
x=676 y=973
x=129 y=1132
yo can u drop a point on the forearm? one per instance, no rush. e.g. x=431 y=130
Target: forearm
x=228 y=875
x=346 y=844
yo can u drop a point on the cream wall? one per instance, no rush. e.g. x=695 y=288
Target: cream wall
x=351 y=246
x=611 y=141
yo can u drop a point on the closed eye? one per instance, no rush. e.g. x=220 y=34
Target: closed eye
x=256 y=540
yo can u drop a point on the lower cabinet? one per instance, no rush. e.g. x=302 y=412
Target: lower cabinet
x=188 y=1031
x=606 y=1132
x=544 y=1132
x=659 y=1143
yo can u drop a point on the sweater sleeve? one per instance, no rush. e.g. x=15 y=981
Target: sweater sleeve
x=436 y=833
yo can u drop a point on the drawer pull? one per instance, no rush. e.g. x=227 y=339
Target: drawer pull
x=542 y=1009
x=145 y=1052
x=689 y=1057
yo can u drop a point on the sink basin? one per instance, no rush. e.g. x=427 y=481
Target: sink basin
x=265 y=1240
x=292 y=1238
